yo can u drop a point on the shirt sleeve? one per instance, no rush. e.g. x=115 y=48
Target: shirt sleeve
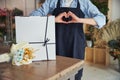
x=92 y=11
x=46 y=8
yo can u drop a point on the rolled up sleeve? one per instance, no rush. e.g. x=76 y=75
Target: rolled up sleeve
x=100 y=20
x=93 y=12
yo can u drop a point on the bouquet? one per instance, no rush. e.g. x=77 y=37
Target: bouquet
x=20 y=54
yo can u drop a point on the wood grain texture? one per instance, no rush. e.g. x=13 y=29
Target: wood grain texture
x=4 y=49
x=42 y=70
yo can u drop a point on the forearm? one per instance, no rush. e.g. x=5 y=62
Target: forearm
x=89 y=21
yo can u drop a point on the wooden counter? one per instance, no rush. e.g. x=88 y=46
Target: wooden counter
x=4 y=49
x=61 y=69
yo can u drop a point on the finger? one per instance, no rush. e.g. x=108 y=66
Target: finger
x=72 y=22
x=63 y=14
x=67 y=15
x=71 y=14
x=64 y=22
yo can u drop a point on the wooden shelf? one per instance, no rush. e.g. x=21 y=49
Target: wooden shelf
x=89 y=54
x=97 y=55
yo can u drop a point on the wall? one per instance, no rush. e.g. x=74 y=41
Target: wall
x=114 y=12
x=26 y=5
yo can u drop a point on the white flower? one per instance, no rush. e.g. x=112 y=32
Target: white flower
x=5 y=57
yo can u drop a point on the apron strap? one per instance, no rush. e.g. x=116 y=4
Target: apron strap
x=78 y=5
x=58 y=4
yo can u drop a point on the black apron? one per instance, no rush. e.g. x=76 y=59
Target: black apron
x=70 y=38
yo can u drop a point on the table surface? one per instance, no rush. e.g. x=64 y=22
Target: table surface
x=41 y=70
x=4 y=49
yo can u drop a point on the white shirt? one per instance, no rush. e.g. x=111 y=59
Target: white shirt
x=88 y=8
x=68 y=3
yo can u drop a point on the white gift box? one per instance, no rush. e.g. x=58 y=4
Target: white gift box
x=39 y=32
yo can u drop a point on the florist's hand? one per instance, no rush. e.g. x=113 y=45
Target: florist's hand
x=75 y=19
x=58 y=19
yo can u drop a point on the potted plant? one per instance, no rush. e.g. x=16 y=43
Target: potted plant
x=110 y=33
x=98 y=44
x=115 y=50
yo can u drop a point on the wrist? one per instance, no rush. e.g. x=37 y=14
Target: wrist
x=80 y=20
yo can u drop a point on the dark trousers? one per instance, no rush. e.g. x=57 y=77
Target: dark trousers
x=79 y=75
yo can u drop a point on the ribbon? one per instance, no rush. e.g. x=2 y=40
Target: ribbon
x=46 y=40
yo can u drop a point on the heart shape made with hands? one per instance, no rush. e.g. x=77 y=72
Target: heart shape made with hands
x=67 y=17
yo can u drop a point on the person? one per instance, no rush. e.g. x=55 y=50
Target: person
x=70 y=15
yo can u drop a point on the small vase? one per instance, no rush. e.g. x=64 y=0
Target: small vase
x=89 y=43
